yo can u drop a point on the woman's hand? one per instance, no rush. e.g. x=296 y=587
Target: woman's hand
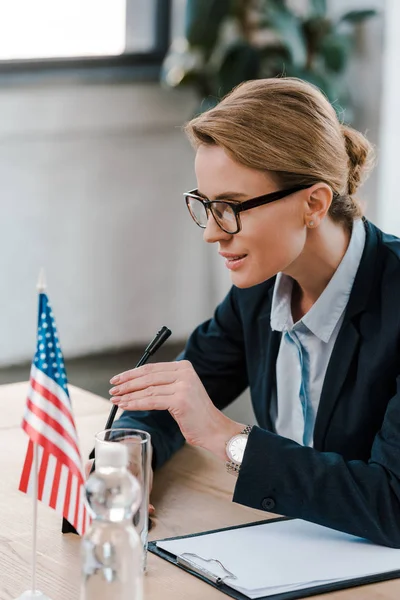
x=176 y=387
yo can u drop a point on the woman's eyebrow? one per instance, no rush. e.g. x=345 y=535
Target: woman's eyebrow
x=225 y=195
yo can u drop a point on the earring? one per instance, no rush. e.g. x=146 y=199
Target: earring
x=311 y=224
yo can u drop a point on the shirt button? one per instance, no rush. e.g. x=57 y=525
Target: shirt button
x=268 y=503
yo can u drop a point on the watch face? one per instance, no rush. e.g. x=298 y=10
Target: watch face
x=236 y=448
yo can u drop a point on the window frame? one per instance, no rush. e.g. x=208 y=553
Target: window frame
x=130 y=65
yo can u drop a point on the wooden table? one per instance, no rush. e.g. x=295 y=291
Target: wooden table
x=191 y=493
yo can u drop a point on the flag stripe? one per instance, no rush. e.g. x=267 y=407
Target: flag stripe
x=56 y=483
x=49 y=479
x=77 y=505
x=41 y=440
x=42 y=391
x=46 y=418
x=57 y=440
x=62 y=490
x=32 y=481
x=54 y=412
x=72 y=501
x=23 y=486
x=42 y=473
x=52 y=385
x=67 y=495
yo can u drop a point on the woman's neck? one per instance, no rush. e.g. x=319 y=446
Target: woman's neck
x=312 y=271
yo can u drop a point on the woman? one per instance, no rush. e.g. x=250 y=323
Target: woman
x=311 y=323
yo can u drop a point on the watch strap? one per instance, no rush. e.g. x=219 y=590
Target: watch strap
x=246 y=430
x=232 y=467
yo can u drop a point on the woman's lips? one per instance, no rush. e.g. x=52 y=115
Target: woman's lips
x=234 y=261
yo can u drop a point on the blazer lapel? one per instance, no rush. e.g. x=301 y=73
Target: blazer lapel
x=272 y=342
x=338 y=368
x=347 y=341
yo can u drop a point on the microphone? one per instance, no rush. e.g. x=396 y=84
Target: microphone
x=155 y=344
x=159 y=339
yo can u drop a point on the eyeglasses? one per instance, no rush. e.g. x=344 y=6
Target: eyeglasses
x=227 y=212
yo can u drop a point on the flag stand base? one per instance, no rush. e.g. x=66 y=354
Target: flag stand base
x=67 y=527
x=29 y=595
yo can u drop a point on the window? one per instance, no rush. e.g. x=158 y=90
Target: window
x=49 y=34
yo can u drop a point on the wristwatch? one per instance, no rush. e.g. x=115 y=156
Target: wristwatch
x=235 y=448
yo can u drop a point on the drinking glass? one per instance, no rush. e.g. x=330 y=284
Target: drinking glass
x=139 y=451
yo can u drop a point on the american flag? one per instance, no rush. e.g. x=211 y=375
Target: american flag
x=49 y=423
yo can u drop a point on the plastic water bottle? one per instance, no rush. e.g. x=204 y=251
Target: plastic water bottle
x=111 y=549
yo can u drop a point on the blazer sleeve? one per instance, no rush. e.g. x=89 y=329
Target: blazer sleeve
x=361 y=498
x=216 y=351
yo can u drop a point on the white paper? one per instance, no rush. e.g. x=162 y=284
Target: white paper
x=273 y=558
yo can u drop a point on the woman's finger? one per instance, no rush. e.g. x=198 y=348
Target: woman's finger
x=144 y=382
x=143 y=403
x=150 y=370
x=150 y=392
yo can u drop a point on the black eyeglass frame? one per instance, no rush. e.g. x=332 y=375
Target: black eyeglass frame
x=238 y=206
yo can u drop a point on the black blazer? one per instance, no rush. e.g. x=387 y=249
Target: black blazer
x=350 y=480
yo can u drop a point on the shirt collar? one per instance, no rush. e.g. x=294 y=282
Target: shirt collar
x=324 y=315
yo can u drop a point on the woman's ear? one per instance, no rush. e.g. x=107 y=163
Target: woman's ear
x=319 y=200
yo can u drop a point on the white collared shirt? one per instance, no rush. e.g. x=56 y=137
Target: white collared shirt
x=306 y=346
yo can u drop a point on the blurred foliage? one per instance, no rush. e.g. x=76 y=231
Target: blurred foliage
x=230 y=41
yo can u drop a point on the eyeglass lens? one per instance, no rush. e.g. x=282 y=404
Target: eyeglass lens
x=222 y=213
x=198 y=211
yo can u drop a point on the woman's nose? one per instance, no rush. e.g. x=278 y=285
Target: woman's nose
x=213 y=233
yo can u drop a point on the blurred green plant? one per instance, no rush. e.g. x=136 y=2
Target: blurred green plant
x=230 y=41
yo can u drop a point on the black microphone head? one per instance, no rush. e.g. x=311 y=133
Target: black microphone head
x=158 y=340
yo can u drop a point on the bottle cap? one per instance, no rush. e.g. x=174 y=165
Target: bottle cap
x=111 y=454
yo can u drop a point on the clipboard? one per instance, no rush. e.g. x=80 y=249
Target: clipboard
x=288 y=595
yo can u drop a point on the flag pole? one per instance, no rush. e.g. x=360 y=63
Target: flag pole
x=41 y=288
x=35 y=594
x=34 y=524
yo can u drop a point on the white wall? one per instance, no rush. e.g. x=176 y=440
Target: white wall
x=389 y=207
x=91 y=188
x=364 y=80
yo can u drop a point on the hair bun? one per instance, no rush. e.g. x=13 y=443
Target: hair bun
x=361 y=156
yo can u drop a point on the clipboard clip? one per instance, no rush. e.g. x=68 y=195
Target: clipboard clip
x=192 y=566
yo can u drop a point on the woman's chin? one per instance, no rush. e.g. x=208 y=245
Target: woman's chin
x=243 y=280
x=246 y=280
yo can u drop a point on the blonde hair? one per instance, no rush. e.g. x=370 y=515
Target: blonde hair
x=288 y=127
